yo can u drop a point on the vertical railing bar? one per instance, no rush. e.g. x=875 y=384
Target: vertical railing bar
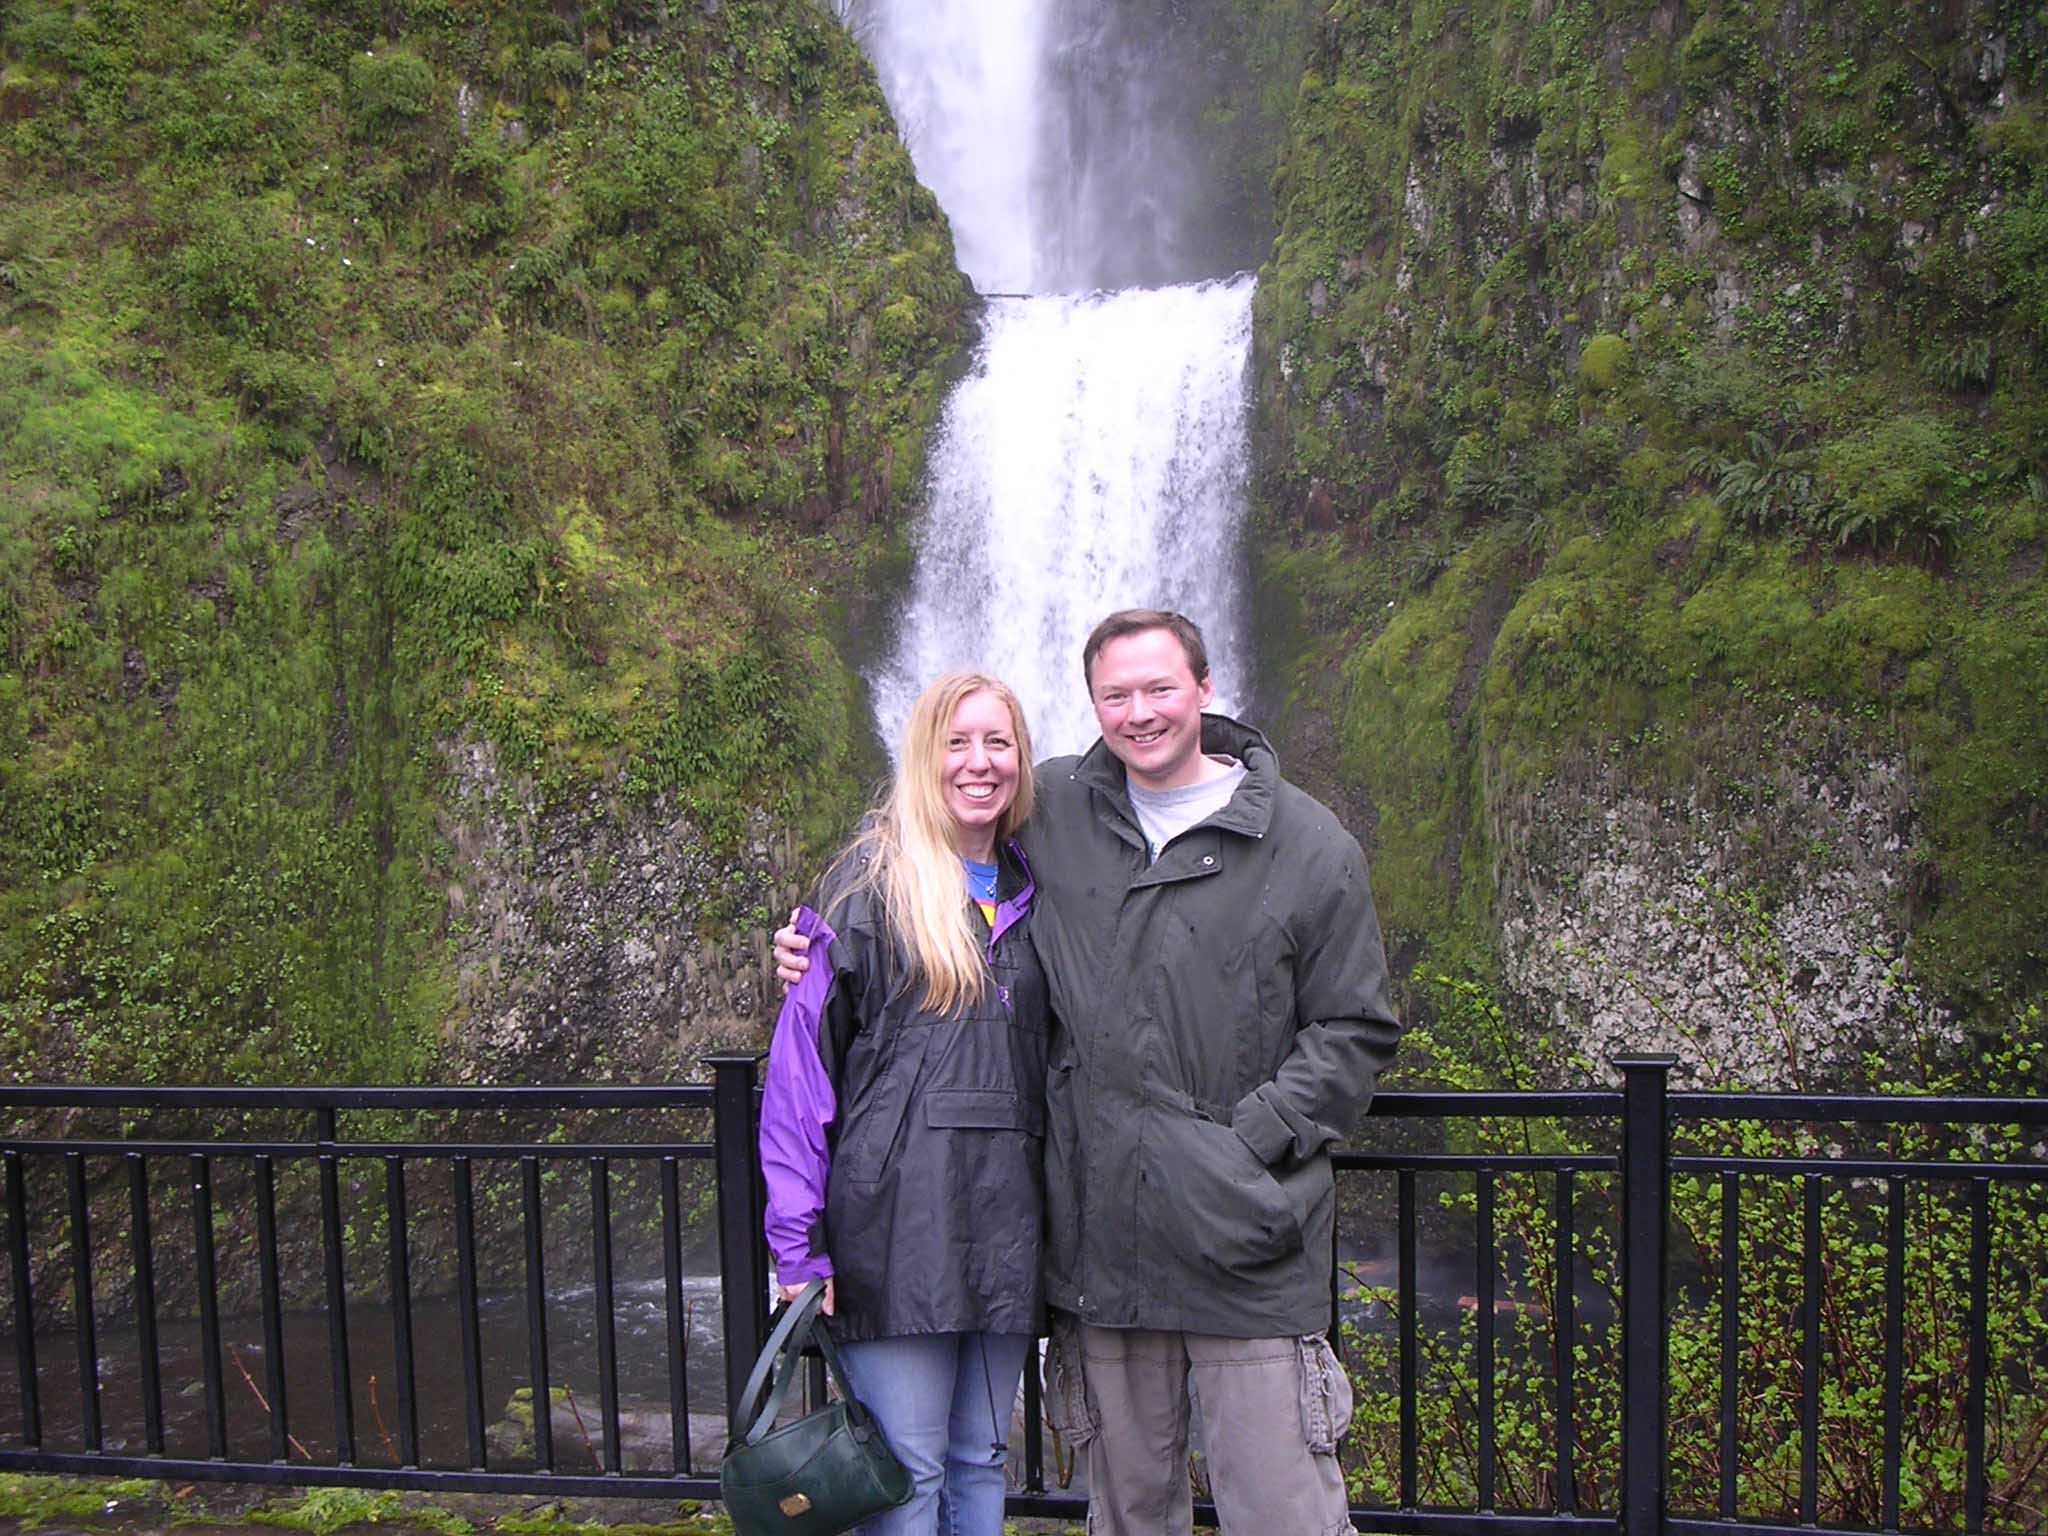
x=468 y=1325
x=146 y=1342
x=1562 y=1330
x=1980 y=1351
x=1410 y=1350
x=1645 y=1290
x=209 y=1307
x=602 y=1299
x=537 y=1318
x=273 y=1307
x=1335 y=1332
x=1731 y=1332
x=678 y=1317
x=325 y=1130
x=1483 y=1241
x=1034 y=1425
x=1894 y=1348
x=401 y=1312
x=24 y=1305
x=814 y=1380
x=1809 y=1361
x=81 y=1304
x=742 y=1210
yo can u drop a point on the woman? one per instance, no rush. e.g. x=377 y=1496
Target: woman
x=902 y=1120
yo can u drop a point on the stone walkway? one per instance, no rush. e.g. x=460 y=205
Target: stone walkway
x=72 y=1506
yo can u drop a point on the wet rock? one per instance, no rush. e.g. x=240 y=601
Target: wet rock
x=1752 y=925
x=604 y=936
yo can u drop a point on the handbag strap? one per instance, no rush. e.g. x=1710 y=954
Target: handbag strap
x=796 y=1327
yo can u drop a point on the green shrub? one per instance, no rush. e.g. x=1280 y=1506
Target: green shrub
x=389 y=88
x=2019 y=242
x=1893 y=485
x=1604 y=363
x=233 y=268
x=1716 y=51
x=1769 y=485
x=1470 y=1045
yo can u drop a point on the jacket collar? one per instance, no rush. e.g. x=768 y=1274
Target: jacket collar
x=1250 y=810
x=1011 y=909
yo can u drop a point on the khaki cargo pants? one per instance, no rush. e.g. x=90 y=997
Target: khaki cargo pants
x=1272 y=1411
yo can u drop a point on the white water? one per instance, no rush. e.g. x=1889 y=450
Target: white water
x=961 y=77
x=1095 y=456
x=1093 y=460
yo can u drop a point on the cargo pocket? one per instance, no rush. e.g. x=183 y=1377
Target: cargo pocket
x=1067 y=1409
x=1325 y=1395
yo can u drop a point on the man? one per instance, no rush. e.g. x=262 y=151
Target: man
x=1221 y=1015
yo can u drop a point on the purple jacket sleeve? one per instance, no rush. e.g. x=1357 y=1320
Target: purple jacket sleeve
x=797 y=1103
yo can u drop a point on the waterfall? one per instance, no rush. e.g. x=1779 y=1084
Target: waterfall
x=1094 y=457
x=961 y=79
x=1093 y=460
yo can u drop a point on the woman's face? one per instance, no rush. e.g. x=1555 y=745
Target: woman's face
x=978 y=766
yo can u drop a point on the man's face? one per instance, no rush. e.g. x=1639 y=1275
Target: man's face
x=1149 y=705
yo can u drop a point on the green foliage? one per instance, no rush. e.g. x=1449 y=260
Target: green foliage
x=768 y=723
x=1763 y=402
x=1717 y=53
x=1603 y=362
x=389 y=88
x=378 y=380
x=1770 y=486
x=323 y=1511
x=1469 y=1046
x=1894 y=485
x=2019 y=241
x=32 y=1502
x=1965 y=364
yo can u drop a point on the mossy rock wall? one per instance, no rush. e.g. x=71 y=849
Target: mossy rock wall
x=1653 y=453
x=390 y=388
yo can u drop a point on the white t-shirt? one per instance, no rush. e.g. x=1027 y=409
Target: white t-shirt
x=1163 y=814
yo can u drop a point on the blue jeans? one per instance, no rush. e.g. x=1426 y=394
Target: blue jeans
x=932 y=1395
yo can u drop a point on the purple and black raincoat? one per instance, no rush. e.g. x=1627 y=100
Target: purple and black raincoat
x=903 y=1150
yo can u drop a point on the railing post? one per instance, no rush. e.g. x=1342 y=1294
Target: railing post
x=742 y=1207
x=1645 y=1207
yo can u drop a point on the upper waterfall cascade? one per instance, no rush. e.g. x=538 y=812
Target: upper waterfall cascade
x=1094 y=458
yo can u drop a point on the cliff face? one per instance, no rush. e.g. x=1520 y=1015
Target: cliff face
x=448 y=455
x=416 y=421
x=1653 y=503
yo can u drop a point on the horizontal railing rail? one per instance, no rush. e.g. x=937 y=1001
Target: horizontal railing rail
x=1555 y=1207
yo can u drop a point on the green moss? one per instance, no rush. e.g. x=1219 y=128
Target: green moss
x=1717 y=53
x=1894 y=484
x=551 y=1520
x=1406 y=696
x=324 y=1511
x=1759 y=458
x=438 y=374
x=1628 y=169
x=1603 y=363
x=31 y=1502
x=389 y=88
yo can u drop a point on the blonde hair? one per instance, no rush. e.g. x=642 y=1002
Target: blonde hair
x=905 y=855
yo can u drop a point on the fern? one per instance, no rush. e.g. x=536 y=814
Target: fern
x=1772 y=486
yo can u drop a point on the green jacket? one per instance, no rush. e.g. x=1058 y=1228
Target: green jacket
x=1220 y=1016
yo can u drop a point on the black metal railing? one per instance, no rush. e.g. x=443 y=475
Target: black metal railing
x=535 y=1164
x=707 y=1197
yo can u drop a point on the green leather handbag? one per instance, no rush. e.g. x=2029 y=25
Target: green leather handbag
x=818 y=1475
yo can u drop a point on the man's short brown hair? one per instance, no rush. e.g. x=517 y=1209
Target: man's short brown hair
x=1135 y=621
